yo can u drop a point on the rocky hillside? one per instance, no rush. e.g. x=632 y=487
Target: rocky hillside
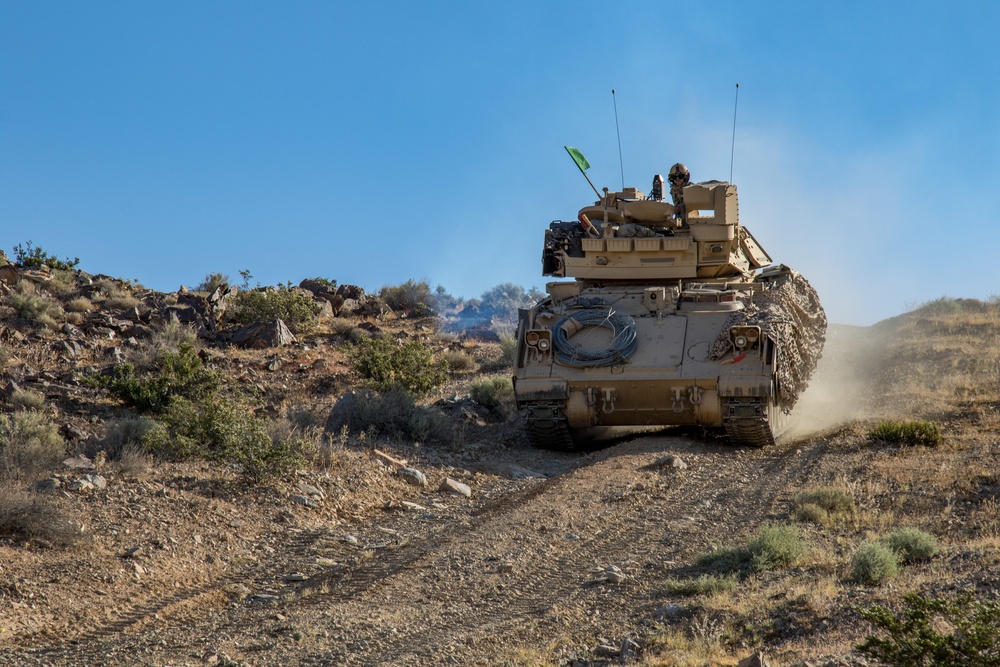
x=306 y=475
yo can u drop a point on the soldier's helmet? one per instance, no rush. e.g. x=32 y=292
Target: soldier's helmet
x=679 y=172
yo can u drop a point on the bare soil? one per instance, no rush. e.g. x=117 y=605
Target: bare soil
x=555 y=559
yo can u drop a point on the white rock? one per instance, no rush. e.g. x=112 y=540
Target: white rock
x=450 y=485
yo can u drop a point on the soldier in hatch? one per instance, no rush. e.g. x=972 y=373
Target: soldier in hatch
x=679 y=177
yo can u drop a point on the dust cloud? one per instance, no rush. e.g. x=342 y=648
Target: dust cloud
x=841 y=389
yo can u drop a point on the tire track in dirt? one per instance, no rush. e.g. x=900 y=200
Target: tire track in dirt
x=755 y=483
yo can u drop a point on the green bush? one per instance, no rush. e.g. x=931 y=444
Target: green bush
x=176 y=374
x=410 y=296
x=26 y=399
x=212 y=282
x=874 y=563
x=706 y=584
x=393 y=412
x=123 y=435
x=297 y=310
x=385 y=362
x=508 y=348
x=221 y=430
x=495 y=393
x=912 y=544
x=776 y=545
x=29 y=443
x=32 y=257
x=812 y=513
x=932 y=631
x=830 y=498
x=913 y=432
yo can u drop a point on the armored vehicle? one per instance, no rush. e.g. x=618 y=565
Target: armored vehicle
x=676 y=316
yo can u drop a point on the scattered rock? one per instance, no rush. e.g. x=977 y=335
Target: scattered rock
x=755 y=660
x=340 y=415
x=296 y=576
x=80 y=462
x=99 y=481
x=81 y=485
x=48 y=484
x=413 y=476
x=304 y=500
x=273 y=333
x=671 y=461
x=450 y=485
x=310 y=490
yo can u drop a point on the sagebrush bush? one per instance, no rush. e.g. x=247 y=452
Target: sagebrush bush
x=393 y=412
x=179 y=374
x=705 y=584
x=776 y=545
x=912 y=544
x=458 y=361
x=26 y=399
x=495 y=393
x=29 y=517
x=812 y=513
x=31 y=304
x=874 y=563
x=341 y=325
x=508 y=347
x=385 y=362
x=912 y=432
x=29 y=442
x=935 y=631
x=409 y=296
x=123 y=435
x=830 y=498
x=167 y=338
x=297 y=310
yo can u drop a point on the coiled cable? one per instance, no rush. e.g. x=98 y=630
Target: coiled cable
x=623 y=341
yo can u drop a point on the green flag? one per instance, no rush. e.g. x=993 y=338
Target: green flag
x=577 y=156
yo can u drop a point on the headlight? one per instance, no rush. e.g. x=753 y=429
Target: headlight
x=543 y=345
x=740 y=342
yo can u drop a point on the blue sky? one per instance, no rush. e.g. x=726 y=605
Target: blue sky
x=372 y=142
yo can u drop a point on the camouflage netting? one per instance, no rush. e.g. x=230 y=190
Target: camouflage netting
x=788 y=311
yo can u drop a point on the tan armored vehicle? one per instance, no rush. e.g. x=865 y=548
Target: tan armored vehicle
x=675 y=317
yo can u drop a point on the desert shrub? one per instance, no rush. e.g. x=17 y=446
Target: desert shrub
x=385 y=362
x=410 y=296
x=29 y=442
x=221 y=430
x=212 y=281
x=776 y=545
x=116 y=296
x=296 y=309
x=35 y=518
x=133 y=460
x=508 y=347
x=120 y=302
x=912 y=432
x=176 y=374
x=942 y=307
x=393 y=412
x=874 y=563
x=80 y=305
x=458 y=361
x=33 y=257
x=705 y=584
x=167 y=338
x=935 y=631
x=912 y=544
x=495 y=393
x=823 y=504
x=26 y=399
x=31 y=304
x=123 y=435
x=341 y=325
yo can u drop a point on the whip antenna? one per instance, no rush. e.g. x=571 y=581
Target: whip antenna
x=618 y=131
x=732 y=150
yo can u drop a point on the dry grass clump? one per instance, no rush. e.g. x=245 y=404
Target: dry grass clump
x=32 y=304
x=341 y=326
x=458 y=361
x=495 y=393
x=29 y=443
x=81 y=304
x=909 y=432
x=823 y=505
x=393 y=413
x=26 y=517
x=124 y=435
x=168 y=339
x=705 y=584
x=26 y=399
x=874 y=563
